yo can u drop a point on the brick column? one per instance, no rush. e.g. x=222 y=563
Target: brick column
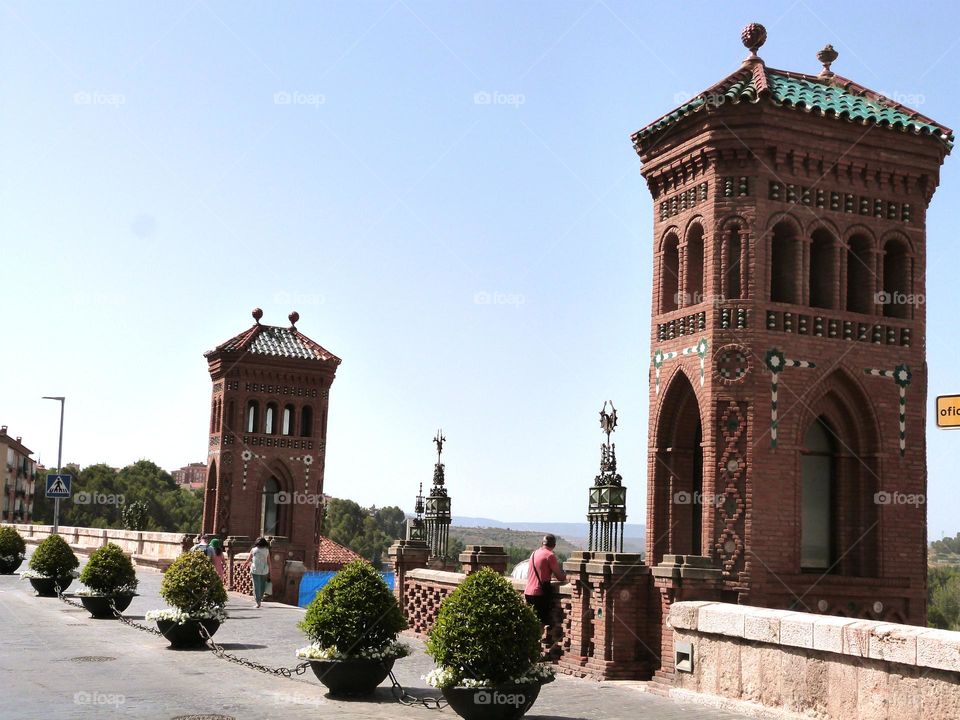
x=681 y=577
x=406 y=555
x=478 y=556
x=609 y=635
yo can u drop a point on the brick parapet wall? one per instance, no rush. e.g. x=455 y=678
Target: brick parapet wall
x=794 y=664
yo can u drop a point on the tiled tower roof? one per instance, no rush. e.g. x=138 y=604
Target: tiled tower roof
x=273 y=341
x=826 y=94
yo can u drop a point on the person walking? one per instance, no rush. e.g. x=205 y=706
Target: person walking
x=542 y=567
x=218 y=558
x=259 y=563
x=201 y=544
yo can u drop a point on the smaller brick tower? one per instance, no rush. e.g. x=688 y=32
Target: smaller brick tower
x=268 y=430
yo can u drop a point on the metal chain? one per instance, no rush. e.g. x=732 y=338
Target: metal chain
x=224 y=655
x=405 y=698
x=397 y=690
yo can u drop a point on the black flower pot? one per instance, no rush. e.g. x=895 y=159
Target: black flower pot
x=351 y=677
x=99 y=605
x=47 y=587
x=187 y=635
x=506 y=702
x=8 y=566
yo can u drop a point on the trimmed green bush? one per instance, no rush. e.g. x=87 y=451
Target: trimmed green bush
x=54 y=558
x=192 y=584
x=109 y=570
x=485 y=631
x=355 y=612
x=11 y=543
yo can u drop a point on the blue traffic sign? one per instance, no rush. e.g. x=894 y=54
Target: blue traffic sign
x=58 y=486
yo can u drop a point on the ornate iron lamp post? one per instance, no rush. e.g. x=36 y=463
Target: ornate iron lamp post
x=608 y=497
x=437 y=517
x=415 y=529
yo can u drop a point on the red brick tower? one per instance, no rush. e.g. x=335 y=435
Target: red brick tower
x=268 y=429
x=788 y=379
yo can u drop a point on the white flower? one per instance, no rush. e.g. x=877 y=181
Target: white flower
x=444 y=677
x=388 y=652
x=180 y=617
x=33 y=574
x=123 y=590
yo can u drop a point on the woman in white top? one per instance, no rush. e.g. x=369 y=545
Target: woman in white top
x=259 y=562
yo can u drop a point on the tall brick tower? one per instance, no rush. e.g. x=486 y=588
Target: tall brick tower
x=788 y=382
x=268 y=430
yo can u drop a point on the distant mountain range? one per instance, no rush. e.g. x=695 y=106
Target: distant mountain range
x=575 y=533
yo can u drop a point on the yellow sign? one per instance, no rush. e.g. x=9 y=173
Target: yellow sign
x=948 y=411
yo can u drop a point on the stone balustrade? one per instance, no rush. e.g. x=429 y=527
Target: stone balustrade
x=154 y=549
x=793 y=664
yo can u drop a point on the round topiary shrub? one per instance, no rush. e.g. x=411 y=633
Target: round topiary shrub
x=53 y=558
x=354 y=616
x=12 y=546
x=485 y=635
x=192 y=586
x=109 y=571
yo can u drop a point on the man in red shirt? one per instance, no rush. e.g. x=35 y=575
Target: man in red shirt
x=542 y=567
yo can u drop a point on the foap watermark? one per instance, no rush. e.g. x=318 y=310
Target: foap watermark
x=286 y=298
x=904 y=98
x=299 y=498
x=495 y=697
x=295 y=97
x=682 y=497
x=295 y=699
x=98 y=698
x=484 y=97
x=85 y=97
x=484 y=297
x=711 y=99
x=686 y=299
x=98 y=498
x=899 y=298
x=898 y=498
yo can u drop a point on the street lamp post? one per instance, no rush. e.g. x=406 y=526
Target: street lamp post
x=56 y=501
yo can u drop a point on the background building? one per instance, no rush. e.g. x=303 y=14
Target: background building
x=192 y=476
x=18 y=479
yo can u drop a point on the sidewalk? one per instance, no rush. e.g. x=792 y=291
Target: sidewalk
x=57 y=662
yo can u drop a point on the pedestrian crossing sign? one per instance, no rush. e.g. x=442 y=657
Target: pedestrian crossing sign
x=58 y=486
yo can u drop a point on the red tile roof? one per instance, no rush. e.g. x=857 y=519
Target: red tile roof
x=332 y=553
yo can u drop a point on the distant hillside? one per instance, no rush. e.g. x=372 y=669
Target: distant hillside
x=574 y=533
x=529 y=540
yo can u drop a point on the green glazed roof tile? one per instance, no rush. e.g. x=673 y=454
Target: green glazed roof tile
x=828 y=95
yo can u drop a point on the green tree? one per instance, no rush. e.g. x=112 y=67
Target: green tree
x=943 y=598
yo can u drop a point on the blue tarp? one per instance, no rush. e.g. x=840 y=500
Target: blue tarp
x=313 y=582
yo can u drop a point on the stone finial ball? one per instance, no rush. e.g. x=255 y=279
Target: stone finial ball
x=293 y=317
x=753 y=36
x=257 y=314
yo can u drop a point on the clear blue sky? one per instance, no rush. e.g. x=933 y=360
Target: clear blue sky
x=156 y=187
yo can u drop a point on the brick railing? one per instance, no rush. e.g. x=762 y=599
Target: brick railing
x=792 y=664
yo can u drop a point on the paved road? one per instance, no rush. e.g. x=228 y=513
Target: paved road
x=137 y=676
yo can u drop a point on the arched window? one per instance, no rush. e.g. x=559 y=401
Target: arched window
x=732 y=252
x=897 y=280
x=693 y=260
x=817 y=469
x=306 y=421
x=784 y=266
x=213 y=415
x=253 y=416
x=270 y=419
x=823 y=269
x=269 y=509
x=287 y=426
x=669 y=273
x=860 y=274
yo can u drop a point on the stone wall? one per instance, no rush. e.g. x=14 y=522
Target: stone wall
x=790 y=664
x=154 y=549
